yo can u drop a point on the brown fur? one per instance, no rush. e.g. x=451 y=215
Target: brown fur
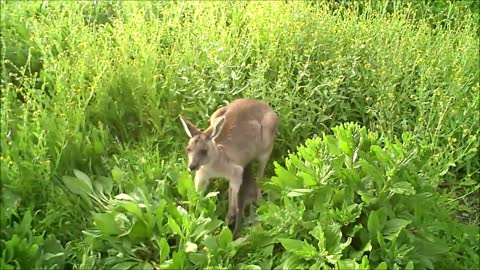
x=239 y=133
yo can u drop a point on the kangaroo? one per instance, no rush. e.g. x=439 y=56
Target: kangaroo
x=248 y=194
x=239 y=133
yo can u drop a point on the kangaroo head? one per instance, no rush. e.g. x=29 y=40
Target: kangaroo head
x=201 y=147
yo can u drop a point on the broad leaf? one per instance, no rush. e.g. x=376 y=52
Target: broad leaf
x=107 y=184
x=82 y=176
x=373 y=222
x=393 y=227
x=403 y=187
x=117 y=174
x=164 y=249
x=224 y=238
x=174 y=226
x=139 y=231
x=77 y=185
x=198 y=259
x=382 y=266
x=131 y=207
x=105 y=222
x=299 y=248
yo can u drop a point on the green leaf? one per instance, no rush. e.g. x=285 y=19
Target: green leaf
x=131 y=207
x=382 y=266
x=178 y=259
x=139 y=231
x=147 y=266
x=198 y=259
x=211 y=243
x=372 y=173
x=184 y=184
x=373 y=224
x=318 y=233
x=159 y=212
x=333 y=235
x=117 y=174
x=250 y=267
x=410 y=266
x=78 y=186
x=309 y=179
x=365 y=264
x=299 y=192
x=98 y=187
x=285 y=178
x=49 y=256
x=164 y=249
x=107 y=184
x=381 y=240
x=403 y=187
x=51 y=244
x=175 y=228
x=292 y=245
x=393 y=227
x=299 y=248
x=431 y=249
x=24 y=228
x=357 y=254
x=105 y=222
x=368 y=197
x=81 y=175
x=224 y=238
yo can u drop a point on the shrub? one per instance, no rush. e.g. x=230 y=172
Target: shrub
x=98 y=86
x=356 y=194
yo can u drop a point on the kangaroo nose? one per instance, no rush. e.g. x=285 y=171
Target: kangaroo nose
x=193 y=167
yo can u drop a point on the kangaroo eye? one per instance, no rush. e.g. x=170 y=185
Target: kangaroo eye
x=189 y=150
x=203 y=152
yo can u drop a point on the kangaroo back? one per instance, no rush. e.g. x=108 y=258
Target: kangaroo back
x=249 y=129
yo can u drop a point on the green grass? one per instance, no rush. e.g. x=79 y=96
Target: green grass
x=98 y=87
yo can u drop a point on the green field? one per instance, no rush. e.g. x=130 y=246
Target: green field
x=375 y=166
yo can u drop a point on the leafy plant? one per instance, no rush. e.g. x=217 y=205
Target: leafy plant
x=22 y=247
x=97 y=87
x=355 y=194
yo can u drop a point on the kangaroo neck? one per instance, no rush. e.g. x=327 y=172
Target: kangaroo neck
x=220 y=161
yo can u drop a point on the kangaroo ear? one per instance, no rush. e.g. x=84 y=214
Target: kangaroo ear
x=218 y=127
x=190 y=128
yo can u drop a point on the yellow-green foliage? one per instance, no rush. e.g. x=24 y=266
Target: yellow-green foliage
x=98 y=86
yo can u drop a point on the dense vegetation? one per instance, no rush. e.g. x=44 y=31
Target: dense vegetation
x=376 y=164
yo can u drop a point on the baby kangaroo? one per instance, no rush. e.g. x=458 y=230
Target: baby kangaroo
x=247 y=196
x=239 y=133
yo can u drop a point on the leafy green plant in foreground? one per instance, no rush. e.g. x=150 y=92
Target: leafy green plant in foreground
x=27 y=249
x=98 y=87
x=351 y=200
x=353 y=194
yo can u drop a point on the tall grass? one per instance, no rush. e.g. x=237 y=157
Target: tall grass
x=98 y=86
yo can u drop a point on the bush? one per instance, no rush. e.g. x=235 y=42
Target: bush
x=98 y=87
x=355 y=194
x=352 y=200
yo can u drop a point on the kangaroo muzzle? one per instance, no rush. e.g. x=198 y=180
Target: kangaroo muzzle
x=193 y=167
